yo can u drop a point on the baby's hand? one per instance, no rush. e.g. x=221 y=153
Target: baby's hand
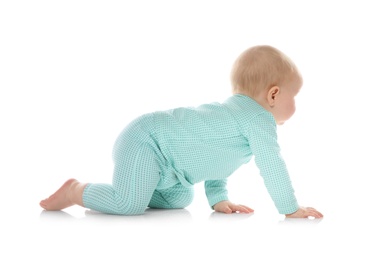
x=228 y=207
x=305 y=212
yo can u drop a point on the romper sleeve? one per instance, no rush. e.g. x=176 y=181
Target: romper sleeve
x=216 y=191
x=262 y=137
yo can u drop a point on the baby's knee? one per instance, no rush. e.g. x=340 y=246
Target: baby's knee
x=176 y=197
x=129 y=211
x=183 y=200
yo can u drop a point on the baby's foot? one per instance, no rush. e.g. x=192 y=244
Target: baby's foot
x=61 y=198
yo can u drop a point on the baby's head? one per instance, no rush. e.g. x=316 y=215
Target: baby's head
x=268 y=76
x=260 y=68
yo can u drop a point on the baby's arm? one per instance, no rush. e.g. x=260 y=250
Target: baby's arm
x=263 y=140
x=216 y=191
x=217 y=196
x=262 y=137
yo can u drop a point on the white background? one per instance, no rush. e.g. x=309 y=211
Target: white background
x=74 y=73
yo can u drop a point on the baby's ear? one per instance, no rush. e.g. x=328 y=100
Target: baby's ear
x=272 y=95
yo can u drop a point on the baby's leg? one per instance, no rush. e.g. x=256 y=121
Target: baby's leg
x=136 y=175
x=176 y=197
x=69 y=194
x=133 y=185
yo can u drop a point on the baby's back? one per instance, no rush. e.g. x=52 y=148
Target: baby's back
x=204 y=142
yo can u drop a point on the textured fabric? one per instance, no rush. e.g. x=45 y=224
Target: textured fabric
x=160 y=156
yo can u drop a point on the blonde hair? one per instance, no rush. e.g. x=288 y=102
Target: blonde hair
x=260 y=68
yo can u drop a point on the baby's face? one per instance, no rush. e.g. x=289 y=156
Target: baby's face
x=284 y=107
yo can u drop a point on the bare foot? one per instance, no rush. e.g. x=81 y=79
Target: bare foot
x=69 y=194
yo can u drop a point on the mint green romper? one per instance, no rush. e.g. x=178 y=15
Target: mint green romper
x=159 y=156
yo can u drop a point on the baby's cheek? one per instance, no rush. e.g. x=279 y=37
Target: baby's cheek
x=293 y=106
x=291 y=110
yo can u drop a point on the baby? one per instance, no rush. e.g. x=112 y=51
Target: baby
x=159 y=156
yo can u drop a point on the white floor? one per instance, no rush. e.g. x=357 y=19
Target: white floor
x=196 y=232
